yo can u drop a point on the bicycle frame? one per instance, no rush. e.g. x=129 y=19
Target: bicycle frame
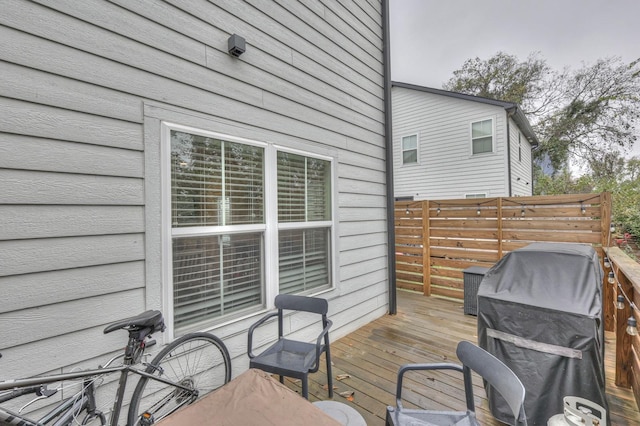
x=72 y=405
x=68 y=408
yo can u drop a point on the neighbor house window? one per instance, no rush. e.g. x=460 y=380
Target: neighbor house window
x=519 y=147
x=482 y=136
x=219 y=199
x=410 y=149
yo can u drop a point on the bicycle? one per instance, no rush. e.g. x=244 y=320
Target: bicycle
x=180 y=373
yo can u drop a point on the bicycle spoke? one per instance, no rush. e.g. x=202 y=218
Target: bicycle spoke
x=199 y=362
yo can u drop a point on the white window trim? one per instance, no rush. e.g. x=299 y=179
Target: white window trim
x=519 y=146
x=334 y=216
x=475 y=195
x=417 y=135
x=493 y=136
x=270 y=227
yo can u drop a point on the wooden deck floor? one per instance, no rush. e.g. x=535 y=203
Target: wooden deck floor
x=424 y=330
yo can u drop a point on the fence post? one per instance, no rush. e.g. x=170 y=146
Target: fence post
x=621 y=265
x=608 y=293
x=499 y=218
x=426 y=250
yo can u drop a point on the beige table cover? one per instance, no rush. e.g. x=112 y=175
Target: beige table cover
x=252 y=398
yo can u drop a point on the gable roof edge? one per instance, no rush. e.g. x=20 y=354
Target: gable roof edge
x=512 y=108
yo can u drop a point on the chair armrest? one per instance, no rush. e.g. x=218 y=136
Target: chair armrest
x=323 y=333
x=252 y=328
x=421 y=367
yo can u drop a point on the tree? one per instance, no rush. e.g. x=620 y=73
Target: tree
x=503 y=77
x=621 y=177
x=562 y=183
x=577 y=115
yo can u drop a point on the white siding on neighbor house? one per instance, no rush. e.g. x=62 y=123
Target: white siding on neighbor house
x=84 y=87
x=446 y=168
x=521 y=184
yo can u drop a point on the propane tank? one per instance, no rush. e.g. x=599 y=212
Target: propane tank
x=579 y=412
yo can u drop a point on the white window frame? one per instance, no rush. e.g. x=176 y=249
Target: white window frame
x=474 y=195
x=402 y=150
x=332 y=224
x=519 y=147
x=270 y=227
x=493 y=136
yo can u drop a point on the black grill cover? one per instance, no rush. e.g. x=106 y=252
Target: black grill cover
x=540 y=312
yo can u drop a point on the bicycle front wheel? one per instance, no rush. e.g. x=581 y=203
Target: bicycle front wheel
x=197 y=361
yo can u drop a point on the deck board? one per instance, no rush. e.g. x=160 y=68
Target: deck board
x=425 y=329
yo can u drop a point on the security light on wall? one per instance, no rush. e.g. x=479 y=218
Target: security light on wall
x=236 y=45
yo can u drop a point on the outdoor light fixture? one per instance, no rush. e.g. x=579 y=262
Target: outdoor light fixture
x=632 y=329
x=478 y=211
x=612 y=229
x=407 y=210
x=582 y=209
x=438 y=211
x=522 y=212
x=607 y=264
x=612 y=278
x=236 y=45
x=620 y=303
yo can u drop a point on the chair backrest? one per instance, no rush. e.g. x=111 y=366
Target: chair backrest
x=302 y=303
x=499 y=376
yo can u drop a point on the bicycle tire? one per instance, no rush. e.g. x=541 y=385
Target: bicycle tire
x=199 y=360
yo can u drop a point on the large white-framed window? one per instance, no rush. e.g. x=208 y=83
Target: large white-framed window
x=244 y=220
x=482 y=136
x=410 y=149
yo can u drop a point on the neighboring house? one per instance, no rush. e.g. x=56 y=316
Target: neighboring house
x=142 y=166
x=451 y=145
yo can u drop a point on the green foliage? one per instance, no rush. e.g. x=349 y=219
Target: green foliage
x=503 y=77
x=626 y=197
x=561 y=183
x=622 y=180
x=577 y=115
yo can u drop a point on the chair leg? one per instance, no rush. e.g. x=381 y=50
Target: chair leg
x=388 y=421
x=329 y=373
x=305 y=386
x=282 y=379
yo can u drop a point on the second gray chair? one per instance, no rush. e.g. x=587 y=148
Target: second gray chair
x=293 y=358
x=490 y=368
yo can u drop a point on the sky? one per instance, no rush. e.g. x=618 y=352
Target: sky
x=432 y=38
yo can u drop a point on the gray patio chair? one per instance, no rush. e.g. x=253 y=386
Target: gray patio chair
x=292 y=358
x=494 y=371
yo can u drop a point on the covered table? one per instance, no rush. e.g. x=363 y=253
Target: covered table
x=252 y=398
x=540 y=312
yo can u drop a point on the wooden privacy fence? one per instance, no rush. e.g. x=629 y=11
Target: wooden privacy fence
x=626 y=277
x=436 y=240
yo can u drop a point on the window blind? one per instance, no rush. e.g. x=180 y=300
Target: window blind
x=215 y=183
x=304 y=195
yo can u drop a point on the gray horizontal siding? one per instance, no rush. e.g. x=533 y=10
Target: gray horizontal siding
x=36 y=322
x=54 y=90
x=17 y=151
x=32 y=119
x=28 y=256
x=78 y=81
x=53 y=221
x=27 y=187
x=48 y=288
